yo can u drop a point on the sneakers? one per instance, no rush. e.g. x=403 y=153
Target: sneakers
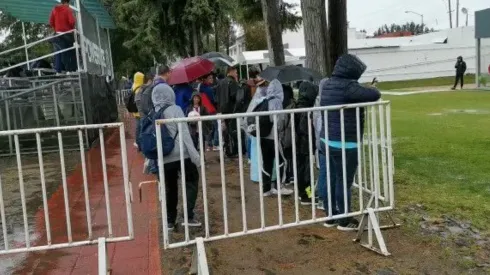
x=215 y=148
x=170 y=226
x=320 y=205
x=330 y=224
x=135 y=145
x=306 y=201
x=349 y=224
x=192 y=223
x=274 y=192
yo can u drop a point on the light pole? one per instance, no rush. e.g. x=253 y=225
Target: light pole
x=419 y=14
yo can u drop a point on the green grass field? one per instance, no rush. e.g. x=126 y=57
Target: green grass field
x=429 y=82
x=442 y=153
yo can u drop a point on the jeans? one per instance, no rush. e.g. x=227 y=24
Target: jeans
x=336 y=191
x=65 y=61
x=172 y=172
x=213 y=137
x=249 y=149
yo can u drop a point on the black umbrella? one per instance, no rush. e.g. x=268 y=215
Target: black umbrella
x=214 y=55
x=290 y=73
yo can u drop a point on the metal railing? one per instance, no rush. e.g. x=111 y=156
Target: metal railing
x=374 y=177
x=121 y=95
x=59 y=102
x=26 y=47
x=93 y=231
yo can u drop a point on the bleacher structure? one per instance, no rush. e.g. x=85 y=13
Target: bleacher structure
x=42 y=98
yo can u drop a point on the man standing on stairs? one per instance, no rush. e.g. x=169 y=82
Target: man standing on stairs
x=62 y=20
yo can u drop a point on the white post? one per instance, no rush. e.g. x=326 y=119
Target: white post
x=110 y=52
x=478 y=62
x=25 y=45
x=248 y=75
x=82 y=37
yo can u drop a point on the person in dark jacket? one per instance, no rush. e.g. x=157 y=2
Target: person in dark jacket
x=460 y=70
x=226 y=93
x=343 y=88
x=306 y=99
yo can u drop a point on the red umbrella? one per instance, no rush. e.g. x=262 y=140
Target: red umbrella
x=190 y=69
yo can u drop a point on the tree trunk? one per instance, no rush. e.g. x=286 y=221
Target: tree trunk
x=195 y=43
x=216 y=36
x=315 y=30
x=337 y=24
x=270 y=10
x=228 y=37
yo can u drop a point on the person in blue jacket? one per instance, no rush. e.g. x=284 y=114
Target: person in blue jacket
x=343 y=88
x=183 y=95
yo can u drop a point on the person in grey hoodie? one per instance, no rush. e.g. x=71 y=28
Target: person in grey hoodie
x=164 y=97
x=275 y=94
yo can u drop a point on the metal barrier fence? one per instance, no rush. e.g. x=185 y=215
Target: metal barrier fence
x=374 y=177
x=58 y=230
x=120 y=95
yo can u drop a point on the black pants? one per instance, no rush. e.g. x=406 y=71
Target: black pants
x=460 y=79
x=268 y=161
x=288 y=155
x=172 y=172
x=304 y=176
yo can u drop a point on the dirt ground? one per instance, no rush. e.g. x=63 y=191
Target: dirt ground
x=308 y=249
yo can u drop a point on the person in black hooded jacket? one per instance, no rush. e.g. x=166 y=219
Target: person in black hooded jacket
x=306 y=99
x=343 y=88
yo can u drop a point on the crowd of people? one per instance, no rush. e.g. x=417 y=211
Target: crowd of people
x=152 y=97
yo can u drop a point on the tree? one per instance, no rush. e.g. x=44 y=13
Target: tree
x=337 y=23
x=315 y=30
x=411 y=27
x=270 y=9
x=255 y=37
x=11 y=28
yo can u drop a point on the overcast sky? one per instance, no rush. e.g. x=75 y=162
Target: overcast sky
x=370 y=14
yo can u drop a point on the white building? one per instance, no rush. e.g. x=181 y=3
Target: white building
x=396 y=58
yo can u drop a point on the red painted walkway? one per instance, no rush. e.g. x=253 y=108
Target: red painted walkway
x=139 y=256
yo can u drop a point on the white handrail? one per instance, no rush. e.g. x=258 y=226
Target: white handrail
x=75 y=46
x=30 y=45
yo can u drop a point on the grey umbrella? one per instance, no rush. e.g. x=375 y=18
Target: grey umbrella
x=290 y=73
x=213 y=55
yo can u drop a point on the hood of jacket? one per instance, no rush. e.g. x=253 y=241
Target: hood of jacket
x=275 y=93
x=349 y=66
x=162 y=96
x=139 y=80
x=307 y=94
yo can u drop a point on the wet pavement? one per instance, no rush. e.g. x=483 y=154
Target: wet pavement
x=138 y=256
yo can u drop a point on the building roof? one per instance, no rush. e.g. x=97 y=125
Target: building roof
x=261 y=57
x=38 y=11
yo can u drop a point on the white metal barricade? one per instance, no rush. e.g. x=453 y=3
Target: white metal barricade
x=373 y=180
x=78 y=234
x=121 y=95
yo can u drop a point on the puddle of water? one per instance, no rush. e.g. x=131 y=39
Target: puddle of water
x=33 y=196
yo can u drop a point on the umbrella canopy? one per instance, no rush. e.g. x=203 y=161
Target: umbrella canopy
x=212 y=55
x=290 y=73
x=190 y=69
x=221 y=62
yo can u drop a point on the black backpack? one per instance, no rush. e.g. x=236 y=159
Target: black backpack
x=130 y=102
x=265 y=122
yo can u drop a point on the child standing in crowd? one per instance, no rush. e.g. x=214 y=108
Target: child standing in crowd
x=343 y=88
x=196 y=109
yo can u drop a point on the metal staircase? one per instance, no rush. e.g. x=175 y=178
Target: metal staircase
x=48 y=102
